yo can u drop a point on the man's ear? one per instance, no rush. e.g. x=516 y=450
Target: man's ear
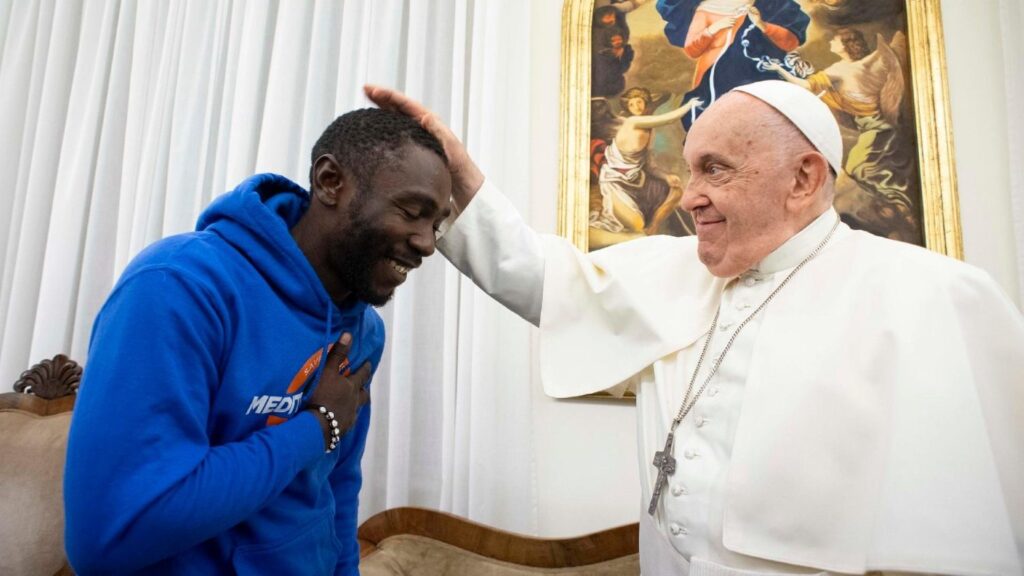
x=327 y=180
x=811 y=175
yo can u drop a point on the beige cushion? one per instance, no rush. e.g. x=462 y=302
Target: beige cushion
x=408 y=555
x=31 y=498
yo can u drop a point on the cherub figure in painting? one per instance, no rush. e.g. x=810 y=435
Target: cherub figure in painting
x=635 y=197
x=866 y=88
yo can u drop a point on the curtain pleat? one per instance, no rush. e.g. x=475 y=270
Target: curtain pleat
x=76 y=173
x=53 y=65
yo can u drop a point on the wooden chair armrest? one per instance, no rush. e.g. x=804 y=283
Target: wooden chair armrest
x=35 y=404
x=498 y=544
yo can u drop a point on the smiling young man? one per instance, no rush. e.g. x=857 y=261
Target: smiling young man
x=208 y=437
x=811 y=399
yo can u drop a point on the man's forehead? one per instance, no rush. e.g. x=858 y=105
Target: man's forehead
x=732 y=119
x=737 y=108
x=411 y=161
x=416 y=175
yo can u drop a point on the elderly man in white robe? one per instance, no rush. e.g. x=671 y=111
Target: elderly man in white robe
x=812 y=399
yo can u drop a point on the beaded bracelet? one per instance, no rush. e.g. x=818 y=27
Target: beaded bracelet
x=332 y=424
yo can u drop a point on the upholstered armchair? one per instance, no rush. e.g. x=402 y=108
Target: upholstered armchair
x=34 y=422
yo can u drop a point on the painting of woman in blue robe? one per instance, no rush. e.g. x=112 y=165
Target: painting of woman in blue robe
x=733 y=42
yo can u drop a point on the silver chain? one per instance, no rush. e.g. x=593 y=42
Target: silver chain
x=687 y=404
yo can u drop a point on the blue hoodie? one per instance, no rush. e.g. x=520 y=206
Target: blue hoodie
x=189 y=450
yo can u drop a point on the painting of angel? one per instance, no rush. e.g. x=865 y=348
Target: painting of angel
x=866 y=89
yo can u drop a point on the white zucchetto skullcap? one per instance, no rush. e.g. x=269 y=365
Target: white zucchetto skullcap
x=806 y=111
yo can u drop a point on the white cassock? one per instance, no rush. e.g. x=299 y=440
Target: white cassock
x=870 y=418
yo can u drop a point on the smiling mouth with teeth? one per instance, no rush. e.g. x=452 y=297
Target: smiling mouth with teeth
x=401 y=269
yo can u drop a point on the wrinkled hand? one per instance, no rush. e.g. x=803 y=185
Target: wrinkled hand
x=720 y=25
x=466 y=176
x=341 y=394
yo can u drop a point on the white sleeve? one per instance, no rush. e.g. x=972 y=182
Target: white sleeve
x=492 y=246
x=606 y=316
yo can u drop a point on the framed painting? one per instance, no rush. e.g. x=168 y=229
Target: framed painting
x=637 y=73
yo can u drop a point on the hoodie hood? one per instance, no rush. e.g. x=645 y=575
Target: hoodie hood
x=257 y=217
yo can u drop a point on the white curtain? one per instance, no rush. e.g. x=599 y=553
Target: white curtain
x=121 y=119
x=1011 y=20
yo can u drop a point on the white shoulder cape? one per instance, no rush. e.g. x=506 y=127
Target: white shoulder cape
x=883 y=419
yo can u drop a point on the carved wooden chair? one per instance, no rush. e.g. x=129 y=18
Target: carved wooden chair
x=418 y=542
x=34 y=422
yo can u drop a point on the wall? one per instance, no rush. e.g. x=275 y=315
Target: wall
x=586 y=450
x=974 y=55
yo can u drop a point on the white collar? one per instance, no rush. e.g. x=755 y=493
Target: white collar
x=726 y=7
x=792 y=251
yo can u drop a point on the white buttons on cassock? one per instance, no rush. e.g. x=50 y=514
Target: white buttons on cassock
x=710 y=427
x=677 y=530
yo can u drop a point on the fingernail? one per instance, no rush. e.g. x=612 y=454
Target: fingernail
x=346 y=338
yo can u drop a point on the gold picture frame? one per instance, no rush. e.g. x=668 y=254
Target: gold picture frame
x=939 y=218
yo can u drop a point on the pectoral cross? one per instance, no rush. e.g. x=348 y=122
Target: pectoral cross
x=666 y=465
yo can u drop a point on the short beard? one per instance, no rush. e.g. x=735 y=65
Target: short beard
x=354 y=259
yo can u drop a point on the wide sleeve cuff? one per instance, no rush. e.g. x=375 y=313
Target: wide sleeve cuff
x=490 y=243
